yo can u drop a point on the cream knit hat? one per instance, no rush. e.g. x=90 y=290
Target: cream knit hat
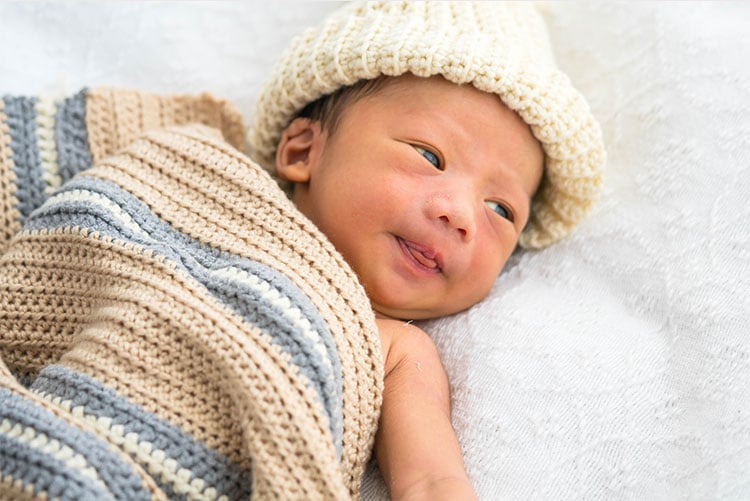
x=498 y=47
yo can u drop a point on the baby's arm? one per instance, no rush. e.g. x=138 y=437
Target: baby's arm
x=416 y=447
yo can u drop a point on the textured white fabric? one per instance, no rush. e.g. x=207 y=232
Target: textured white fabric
x=614 y=365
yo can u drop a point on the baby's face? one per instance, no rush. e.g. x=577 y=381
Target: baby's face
x=424 y=187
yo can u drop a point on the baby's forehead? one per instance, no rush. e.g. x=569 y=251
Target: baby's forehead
x=459 y=123
x=431 y=95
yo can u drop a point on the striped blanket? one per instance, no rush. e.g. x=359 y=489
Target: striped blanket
x=170 y=326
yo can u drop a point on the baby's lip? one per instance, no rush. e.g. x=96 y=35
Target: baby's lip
x=423 y=254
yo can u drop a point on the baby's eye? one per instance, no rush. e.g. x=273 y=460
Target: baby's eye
x=500 y=210
x=430 y=156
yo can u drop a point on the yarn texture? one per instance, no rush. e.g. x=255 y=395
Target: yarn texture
x=170 y=325
x=498 y=47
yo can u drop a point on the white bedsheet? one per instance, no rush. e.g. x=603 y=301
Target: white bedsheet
x=614 y=365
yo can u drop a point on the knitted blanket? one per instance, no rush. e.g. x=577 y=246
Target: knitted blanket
x=170 y=325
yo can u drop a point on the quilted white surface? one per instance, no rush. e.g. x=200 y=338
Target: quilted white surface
x=615 y=365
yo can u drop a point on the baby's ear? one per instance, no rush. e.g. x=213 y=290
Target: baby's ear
x=299 y=149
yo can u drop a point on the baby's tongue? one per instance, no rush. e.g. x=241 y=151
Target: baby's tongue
x=423 y=258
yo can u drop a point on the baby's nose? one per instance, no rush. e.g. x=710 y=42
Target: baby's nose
x=455 y=212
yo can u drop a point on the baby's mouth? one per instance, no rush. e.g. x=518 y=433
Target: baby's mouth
x=421 y=254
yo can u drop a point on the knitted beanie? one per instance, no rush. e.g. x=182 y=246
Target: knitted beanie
x=498 y=47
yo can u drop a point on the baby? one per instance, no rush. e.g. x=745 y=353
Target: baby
x=444 y=191
x=429 y=216
x=426 y=140
x=174 y=326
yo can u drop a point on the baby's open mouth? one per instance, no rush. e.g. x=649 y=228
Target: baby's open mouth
x=421 y=254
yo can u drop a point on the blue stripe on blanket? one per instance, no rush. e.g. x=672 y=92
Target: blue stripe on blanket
x=21 y=120
x=59 y=459
x=260 y=295
x=71 y=136
x=46 y=474
x=202 y=462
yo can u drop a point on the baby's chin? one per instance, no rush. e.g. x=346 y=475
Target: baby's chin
x=423 y=312
x=388 y=300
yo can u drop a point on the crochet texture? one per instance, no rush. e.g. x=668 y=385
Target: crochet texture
x=170 y=325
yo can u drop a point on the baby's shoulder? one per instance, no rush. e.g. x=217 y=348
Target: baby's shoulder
x=403 y=340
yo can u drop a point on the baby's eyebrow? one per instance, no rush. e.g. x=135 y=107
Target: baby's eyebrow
x=500 y=182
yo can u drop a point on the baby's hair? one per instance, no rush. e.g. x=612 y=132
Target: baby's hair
x=328 y=109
